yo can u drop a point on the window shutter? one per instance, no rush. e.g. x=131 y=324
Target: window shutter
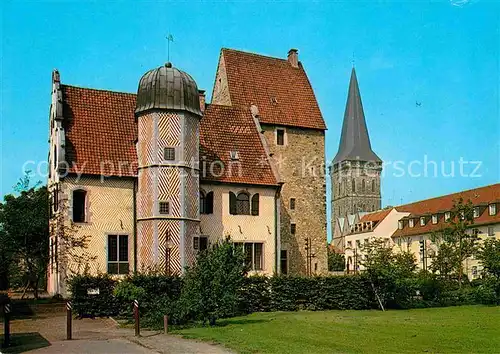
x=255 y=204
x=232 y=203
x=209 y=208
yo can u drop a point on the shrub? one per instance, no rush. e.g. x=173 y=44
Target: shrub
x=100 y=305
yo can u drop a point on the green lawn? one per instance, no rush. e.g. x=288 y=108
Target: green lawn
x=465 y=329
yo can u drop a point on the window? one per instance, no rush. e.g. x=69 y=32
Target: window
x=411 y=222
x=409 y=241
x=373 y=185
x=447 y=216
x=358 y=243
x=118 y=254
x=400 y=224
x=206 y=202
x=255 y=204
x=292 y=203
x=169 y=153
x=492 y=209
x=353 y=182
x=476 y=212
x=243 y=204
x=349 y=244
x=164 y=208
x=491 y=232
x=284 y=261
x=474 y=271
x=434 y=219
x=363 y=185
x=293 y=228
x=422 y=221
x=399 y=241
x=280 y=137
x=79 y=201
x=253 y=254
x=200 y=243
x=55 y=195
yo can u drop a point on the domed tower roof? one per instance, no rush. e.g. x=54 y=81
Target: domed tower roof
x=167 y=87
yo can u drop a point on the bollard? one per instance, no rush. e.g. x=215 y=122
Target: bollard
x=136 y=317
x=165 y=323
x=6 y=338
x=69 y=319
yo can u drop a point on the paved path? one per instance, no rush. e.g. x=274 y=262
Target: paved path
x=44 y=335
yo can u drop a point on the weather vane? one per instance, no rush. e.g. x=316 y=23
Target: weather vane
x=169 y=38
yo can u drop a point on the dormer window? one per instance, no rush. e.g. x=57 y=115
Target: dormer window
x=400 y=224
x=447 y=216
x=492 y=209
x=422 y=221
x=434 y=219
x=234 y=155
x=411 y=222
x=476 y=212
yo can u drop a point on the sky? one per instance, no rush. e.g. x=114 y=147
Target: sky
x=428 y=73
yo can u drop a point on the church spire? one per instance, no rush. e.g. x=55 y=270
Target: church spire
x=354 y=141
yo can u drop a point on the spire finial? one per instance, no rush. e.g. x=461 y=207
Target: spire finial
x=352 y=61
x=169 y=38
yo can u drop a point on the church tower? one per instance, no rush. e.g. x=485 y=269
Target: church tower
x=355 y=171
x=168 y=119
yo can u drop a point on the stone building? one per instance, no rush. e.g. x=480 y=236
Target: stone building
x=151 y=179
x=355 y=171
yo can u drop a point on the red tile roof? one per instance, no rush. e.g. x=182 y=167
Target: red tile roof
x=478 y=196
x=376 y=216
x=227 y=128
x=282 y=92
x=101 y=133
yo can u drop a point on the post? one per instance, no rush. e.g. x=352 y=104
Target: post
x=136 y=317
x=165 y=323
x=69 y=318
x=6 y=326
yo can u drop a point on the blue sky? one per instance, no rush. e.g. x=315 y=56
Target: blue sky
x=443 y=56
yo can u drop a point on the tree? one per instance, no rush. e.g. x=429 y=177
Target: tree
x=336 y=261
x=456 y=242
x=25 y=235
x=489 y=256
x=387 y=270
x=211 y=285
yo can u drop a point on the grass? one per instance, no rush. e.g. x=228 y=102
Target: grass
x=471 y=329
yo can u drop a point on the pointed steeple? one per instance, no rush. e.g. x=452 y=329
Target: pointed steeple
x=354 y=141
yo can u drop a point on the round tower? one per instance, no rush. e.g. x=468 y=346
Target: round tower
x=168 y=116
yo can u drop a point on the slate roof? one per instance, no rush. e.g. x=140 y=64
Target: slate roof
x=101 y=133
x=282 y=92
x=478 y=196
x=354 y=141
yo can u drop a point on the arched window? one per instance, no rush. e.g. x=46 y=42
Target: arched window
x=363 y=185
x=373 y=185
x=243 y=203
x=255 y=204
x=203 y=203
x=353 y=186
x=79 y=201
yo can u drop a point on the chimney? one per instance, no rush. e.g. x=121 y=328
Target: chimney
x=293 y=57
x=201 y=94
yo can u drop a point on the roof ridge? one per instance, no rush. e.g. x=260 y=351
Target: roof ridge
x=446 y=195
x=100 y=90
x=254 y=54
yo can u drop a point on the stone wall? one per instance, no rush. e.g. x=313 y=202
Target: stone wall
x=301 y=165
x=220 y=93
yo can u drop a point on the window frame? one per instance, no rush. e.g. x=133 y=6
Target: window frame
x=118 y=261
x=492 y=209
x=293 y=203
x=197 y=243
x=476 y=212
x=293 y=228
x=243 y=205
x=84 y=205
x=411 y=223
x=252 y=266
x=447 y=216
x=435 y=218
x=281 y=131
x=164 y=202
x=491 y=231
x=170 y=149
x=422 y=221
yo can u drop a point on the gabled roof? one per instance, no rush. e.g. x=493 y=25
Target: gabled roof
x=376 y=216
x=101 y=134
x=282 y=93
x=100 y=131
x=230 y=128
x=354 y=141
x=478 y=196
